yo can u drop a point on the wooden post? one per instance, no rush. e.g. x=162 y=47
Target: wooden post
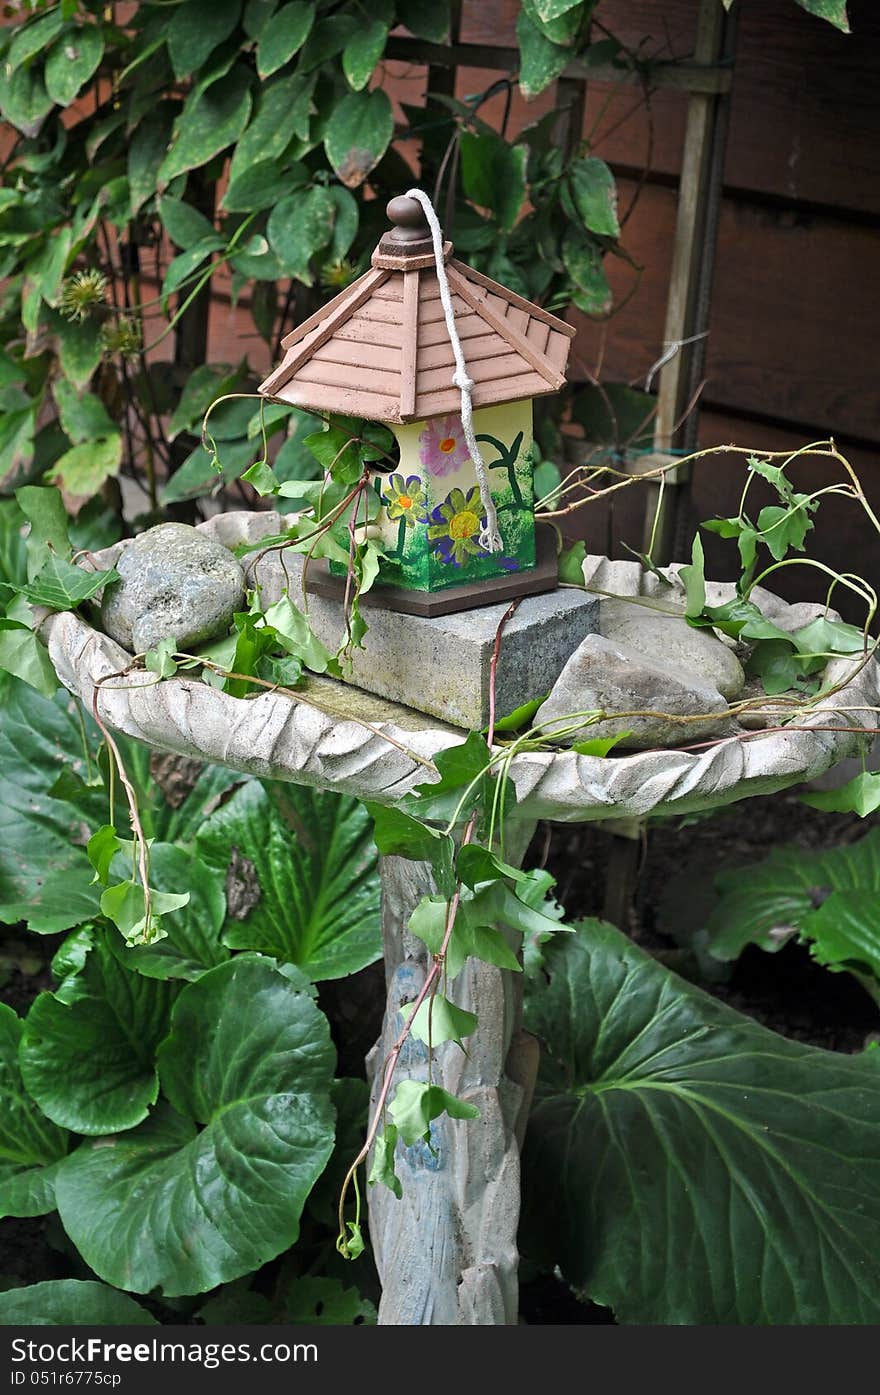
x=446 y=1251
x=687 y=311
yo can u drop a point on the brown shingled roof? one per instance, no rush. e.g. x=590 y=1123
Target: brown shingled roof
x=381 y=349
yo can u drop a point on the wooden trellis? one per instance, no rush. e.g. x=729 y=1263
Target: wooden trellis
x=706 y=76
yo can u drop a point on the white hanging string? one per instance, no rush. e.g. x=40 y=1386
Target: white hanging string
x=490 y=537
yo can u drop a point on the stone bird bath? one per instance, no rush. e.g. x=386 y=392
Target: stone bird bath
x=446 y=1253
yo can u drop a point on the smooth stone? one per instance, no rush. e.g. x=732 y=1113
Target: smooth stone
x=607 y=676
x=665 y=635
x=174 y=582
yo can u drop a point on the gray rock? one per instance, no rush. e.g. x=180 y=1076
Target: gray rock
x=603 y=675
x=174 y=581
x=665 y=635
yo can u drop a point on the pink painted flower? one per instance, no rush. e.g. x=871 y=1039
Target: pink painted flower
x=442 y=447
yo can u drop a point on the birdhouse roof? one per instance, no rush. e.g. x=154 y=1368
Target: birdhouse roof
x=381 y=349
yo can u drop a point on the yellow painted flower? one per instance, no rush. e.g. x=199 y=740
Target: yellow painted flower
x=456 y=525
x=405 y=498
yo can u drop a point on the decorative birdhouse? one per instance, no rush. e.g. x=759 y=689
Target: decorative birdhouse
x=457 y=509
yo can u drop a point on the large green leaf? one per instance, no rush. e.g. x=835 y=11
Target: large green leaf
x=71 y=1303
x=212 y=119
x=541 y=61
x=212 y=1185
x=832 y=10
x=195 y=30
x=298 y=227
x=595 y=195
x=44 y=875
x=71 y=62
x=308 y=866
x=87 y=1051
x=284 y=36
x=764 y=902
x=358 y=134
x=30 y=1146
x=685 y=1165
x=362 y=53
x=494 y=174
x=192 y=942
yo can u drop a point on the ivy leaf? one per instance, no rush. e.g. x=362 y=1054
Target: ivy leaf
x=247 y=1069
x=87 y=1050
x=861 y=796
x=438 y=1020
x=382 y=1167
x=599 y=745
x=476 y=864
x=298 y=227
x=541 y=61
x=312 y=866
x=520 y=717
x=779 y=666
x=22 y=655
x=781 y=528
x=192 y=942
x=358 y=133
x=284 y=36
x=71 y=62
x=595 y=196
x=692 y=1151
x=824 y=636
x=460 y=768
x=195 y=30
x=71 y=1303
x=62 y=585
x=416 y=1104
x=161 y=659
x=571 y=564
x=31 y=1146
x=494 y=174
x=211 y=120
x=694 y=578
x=292 y=630
x=470 y=936
x=125 y=904
x=101 y=849
x=83 y=470
x=396 y=834
x=363 y=52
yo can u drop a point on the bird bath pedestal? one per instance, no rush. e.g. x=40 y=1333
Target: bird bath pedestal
x=446 y=1252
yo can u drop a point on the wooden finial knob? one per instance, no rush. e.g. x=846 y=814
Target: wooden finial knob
x=408 y=218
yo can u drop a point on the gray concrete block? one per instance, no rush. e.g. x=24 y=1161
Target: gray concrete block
x=441 y=665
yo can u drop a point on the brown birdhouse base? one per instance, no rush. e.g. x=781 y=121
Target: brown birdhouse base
x=544 y=576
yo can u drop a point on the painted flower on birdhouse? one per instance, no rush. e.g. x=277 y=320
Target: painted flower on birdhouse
x=405 y=498
x=456 y=525
x=442 y=447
